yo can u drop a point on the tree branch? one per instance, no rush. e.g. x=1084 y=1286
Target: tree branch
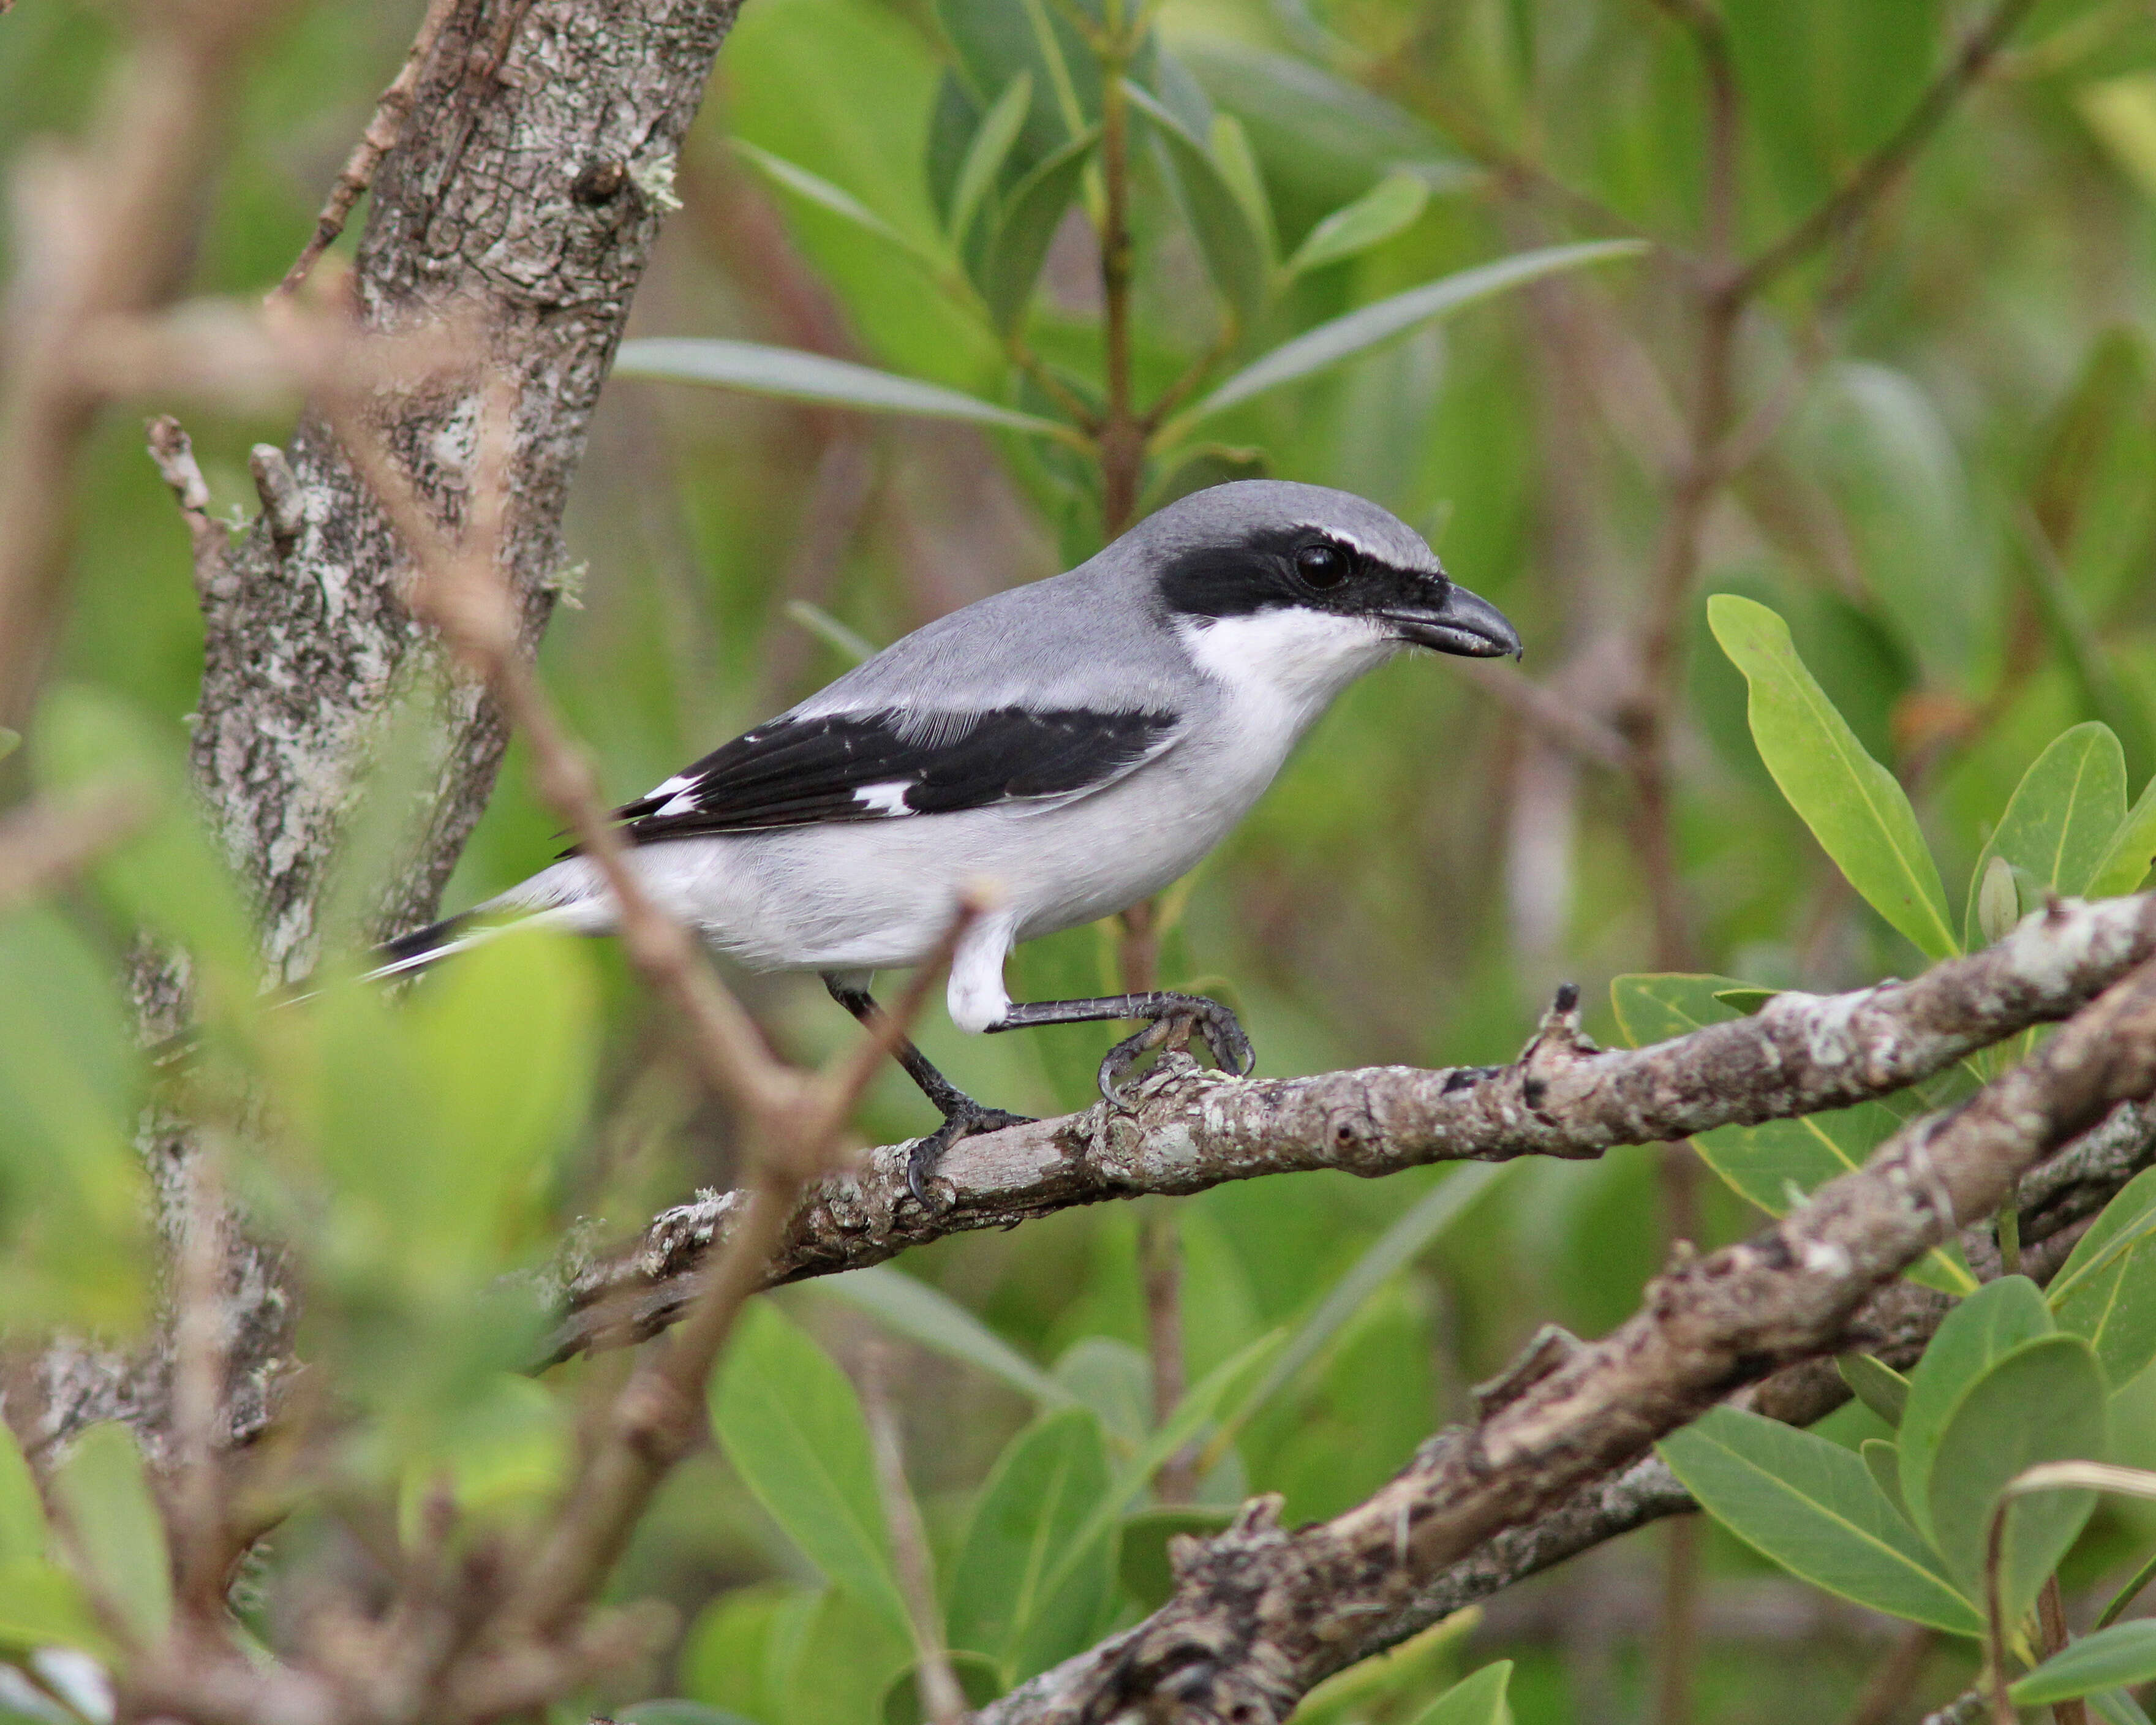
x=1260 y=1615
x=1563 y=1097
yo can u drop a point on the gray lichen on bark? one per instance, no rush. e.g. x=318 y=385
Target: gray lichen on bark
x=525 y=192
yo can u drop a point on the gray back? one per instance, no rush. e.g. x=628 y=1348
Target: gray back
x=1098 y=636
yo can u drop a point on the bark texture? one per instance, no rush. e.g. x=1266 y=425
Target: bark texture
x=524 y=195
x=1563 y=1097
x=1262 y=1614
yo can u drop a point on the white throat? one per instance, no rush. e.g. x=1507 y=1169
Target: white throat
x=1295 y=658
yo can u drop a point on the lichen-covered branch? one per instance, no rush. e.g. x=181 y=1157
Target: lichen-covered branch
x=1261 y=1614
x=1563 y=1097
x=524 y=193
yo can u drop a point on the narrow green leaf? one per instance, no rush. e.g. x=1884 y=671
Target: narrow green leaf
x=103 y=1491
x=1855 y=807
x=1745 y=1002
x=791 y=1425
x=1384 y=1258
x=985 y=157
x=1769 y=1162
x=2117 y=1707
x=837 y=199
x=910 y=1307
x=2060 y=820
x=2043 y=1401
x=1037 y=1503
x=1877 y=1384
x=1198 y=1406
x=2125 y=863
x=1234 y=249
x=1374 y=217
x=2105 y=1291
x=1362 y=329
x=1811 y=1506
x=1999 y=1317
x=789 y=373
x=1238 y=165
x=1479 y=1699
x=2108 y=1659
x=1030 y=217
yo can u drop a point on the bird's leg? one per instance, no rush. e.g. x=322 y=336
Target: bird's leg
x=962 y=1116
x=1169 y=1013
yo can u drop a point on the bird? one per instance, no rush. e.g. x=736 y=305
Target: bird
x=1078 y=742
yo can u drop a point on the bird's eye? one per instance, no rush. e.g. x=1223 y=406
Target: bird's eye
x=1321 y=566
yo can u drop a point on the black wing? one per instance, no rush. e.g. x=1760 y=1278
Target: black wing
x=847 y=767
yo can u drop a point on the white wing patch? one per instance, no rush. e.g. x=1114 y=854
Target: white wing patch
x=886 y=799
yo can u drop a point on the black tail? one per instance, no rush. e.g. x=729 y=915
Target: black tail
x=416 y=950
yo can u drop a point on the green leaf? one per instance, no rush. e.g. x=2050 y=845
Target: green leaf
x=1374 y=217
x=1231 y=244
x=102 y=1492
x=41 y=1606
x=983 y=165
x=1386 y=1256
x=1875 y=1383
x=2043 y=1401
x=1476 y=1700
x=2060 y=820
x=910 y=1307
x=1239 y=166
x=1811 y=1506
x=1776 y=1161
x=981 y=1679
x=676 y=1712
x=1190 y=1416
x=791 y=1425
x=997 y=39
x=2126 y=861
x=2105 y=1291
x=1023 y=1592
x=1142 y=1563
x=789 y=373
x=1030 y=217
x=1745 y=1002
x=2116 y=1707
x=836 y=200
x=1855 y=807
x=1358 y=332
x=1999 y=1317
x=2109 y=1659
x=22 y=1510
x=1114 y=1379
x=10 y=740
x=1883 y=1462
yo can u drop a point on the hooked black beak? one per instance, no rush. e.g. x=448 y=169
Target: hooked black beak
x=1464 y=624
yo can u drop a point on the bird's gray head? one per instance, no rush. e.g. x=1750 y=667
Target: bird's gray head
x=1268 y=548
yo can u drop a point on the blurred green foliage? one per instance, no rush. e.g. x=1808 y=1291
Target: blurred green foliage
x=1932 y=580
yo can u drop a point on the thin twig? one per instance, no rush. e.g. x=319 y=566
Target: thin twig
x=106 y=227
x=1570 y=727
x=382 y=130
x=174 y=454
x=942 y=1700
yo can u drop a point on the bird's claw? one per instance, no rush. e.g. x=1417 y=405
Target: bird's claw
x=964 y=1121
x=1179 y=1019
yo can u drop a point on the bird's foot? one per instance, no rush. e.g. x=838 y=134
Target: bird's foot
x=1175 y=1018
x=962 y=1119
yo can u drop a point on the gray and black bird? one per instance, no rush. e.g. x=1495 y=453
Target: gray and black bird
x=1079 y=743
